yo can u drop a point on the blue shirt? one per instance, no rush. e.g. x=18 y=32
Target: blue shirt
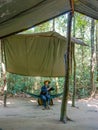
x=44 y=90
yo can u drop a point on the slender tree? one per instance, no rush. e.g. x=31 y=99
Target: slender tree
x=97 y=48
x=54 y=24
x=92 y=58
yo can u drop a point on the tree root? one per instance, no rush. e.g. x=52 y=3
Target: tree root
x=75 y=107
x=66 y=119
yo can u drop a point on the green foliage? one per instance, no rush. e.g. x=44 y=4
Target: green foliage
x=17 y=83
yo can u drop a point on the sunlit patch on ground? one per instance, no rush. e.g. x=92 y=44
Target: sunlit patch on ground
x=33 y=100
x=58 y=100
x=1 y=102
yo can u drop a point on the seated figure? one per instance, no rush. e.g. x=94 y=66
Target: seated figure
x=45 y=95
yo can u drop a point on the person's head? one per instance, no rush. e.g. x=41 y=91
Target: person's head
x=46 y=82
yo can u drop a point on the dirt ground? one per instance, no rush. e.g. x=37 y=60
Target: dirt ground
x=26 y=114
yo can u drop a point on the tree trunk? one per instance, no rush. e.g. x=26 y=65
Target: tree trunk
x=5 y=92
x=54 y=24
x=92 y=58
x=63 y=116
x=97 y=49
x=82 y=47
x=57 y=85
x=74 y=78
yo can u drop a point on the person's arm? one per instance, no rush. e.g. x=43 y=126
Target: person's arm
x=49 y=88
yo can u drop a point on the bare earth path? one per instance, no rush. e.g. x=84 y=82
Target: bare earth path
x=25 y=114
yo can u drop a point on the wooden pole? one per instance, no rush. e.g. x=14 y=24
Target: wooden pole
x=74 y=67
x=63 y=116
x=74 y=78
x=4 y=75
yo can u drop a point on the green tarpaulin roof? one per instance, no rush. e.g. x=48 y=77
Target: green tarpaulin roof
x=17 y=15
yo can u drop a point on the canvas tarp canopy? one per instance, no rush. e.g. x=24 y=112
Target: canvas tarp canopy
x=35 y=55
x=39 y=54
x=18 y=15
